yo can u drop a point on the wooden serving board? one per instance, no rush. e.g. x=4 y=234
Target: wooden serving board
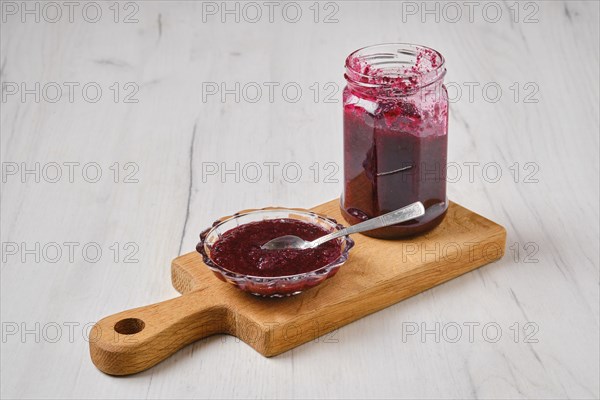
x=378 y=274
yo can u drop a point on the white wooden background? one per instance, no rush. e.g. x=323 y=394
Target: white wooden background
x=547 y=284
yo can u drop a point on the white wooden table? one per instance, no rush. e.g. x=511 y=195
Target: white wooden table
x=189 y=115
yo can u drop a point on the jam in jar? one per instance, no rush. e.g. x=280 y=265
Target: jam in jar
x=395 y=136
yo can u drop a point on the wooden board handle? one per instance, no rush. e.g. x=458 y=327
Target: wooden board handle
x=134 y=340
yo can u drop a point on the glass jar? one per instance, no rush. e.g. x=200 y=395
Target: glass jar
x=395 y=136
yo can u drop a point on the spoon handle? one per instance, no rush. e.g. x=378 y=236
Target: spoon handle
x=403 y=214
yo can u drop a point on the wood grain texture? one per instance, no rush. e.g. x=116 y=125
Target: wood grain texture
x=378 y=274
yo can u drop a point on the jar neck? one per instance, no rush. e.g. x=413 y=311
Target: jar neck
x=394 y=70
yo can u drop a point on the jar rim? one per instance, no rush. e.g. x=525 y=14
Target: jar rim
x=389 y=54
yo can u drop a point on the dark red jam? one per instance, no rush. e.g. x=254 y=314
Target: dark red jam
x=395 y=136
x=238 y=250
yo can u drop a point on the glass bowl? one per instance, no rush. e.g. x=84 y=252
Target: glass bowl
x=272 y=286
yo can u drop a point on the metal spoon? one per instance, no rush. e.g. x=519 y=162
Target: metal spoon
x=403 y=214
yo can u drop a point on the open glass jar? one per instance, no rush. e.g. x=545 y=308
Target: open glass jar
x=395 y=136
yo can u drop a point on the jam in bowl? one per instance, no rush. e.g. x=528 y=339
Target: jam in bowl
x=231 y=248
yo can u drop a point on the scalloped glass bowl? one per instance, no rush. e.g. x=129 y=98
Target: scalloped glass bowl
x=275 y=286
